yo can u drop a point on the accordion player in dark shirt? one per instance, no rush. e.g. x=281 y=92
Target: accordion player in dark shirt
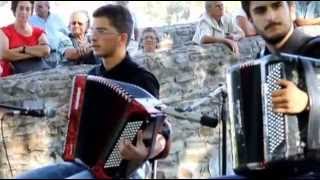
x=111 y=32
x=281 y=37
x=109 y=41
x=274 y=22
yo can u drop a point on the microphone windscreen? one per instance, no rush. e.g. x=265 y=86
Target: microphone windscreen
x=209 y=121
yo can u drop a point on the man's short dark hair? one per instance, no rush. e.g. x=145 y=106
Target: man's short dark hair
x=246 y=7
x=118 y=16
x=14 y=5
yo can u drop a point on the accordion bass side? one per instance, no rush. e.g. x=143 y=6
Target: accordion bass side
x=102 y=112
x=264 y=141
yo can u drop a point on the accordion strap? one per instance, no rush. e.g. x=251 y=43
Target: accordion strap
x=157 y=124
x=313 y=138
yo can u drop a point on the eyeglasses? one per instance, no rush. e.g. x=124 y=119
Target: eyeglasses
x=102 y=31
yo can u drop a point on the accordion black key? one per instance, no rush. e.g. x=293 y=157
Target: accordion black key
x=266 y=142
x=102 y=112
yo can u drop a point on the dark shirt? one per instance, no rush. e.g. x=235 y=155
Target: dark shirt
x=299 y=44
x=130 y=72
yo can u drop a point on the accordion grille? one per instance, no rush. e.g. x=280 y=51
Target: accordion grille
x=128 y=133
x=275 y=121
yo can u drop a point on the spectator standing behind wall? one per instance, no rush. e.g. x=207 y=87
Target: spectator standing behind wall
x=149 y=43
x=308 y=17
x=54 y=27
x=78 y=50
x=22 y=46
x=308 y=13
x=216 y=27
x=244 y=23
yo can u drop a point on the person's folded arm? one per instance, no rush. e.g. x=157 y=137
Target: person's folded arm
x=74 y=54
x=71 y=54
x=41 y=50
x=14 y=54
x=230 y=43
x=211 y=39
x=305 y=22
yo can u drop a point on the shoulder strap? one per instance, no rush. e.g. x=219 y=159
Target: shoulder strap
x=309 y=44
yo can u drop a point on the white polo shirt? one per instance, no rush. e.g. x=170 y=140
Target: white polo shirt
x=210 y=27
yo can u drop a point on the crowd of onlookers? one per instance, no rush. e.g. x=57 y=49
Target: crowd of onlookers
x=40 y=40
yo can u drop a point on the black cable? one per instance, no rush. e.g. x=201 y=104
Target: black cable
x=4 y=144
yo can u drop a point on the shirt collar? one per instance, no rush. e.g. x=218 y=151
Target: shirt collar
x=214 y=23
x=118 y=68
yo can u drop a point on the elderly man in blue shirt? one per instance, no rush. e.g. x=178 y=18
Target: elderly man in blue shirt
x=54 y=27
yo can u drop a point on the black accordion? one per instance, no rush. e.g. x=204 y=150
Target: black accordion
x=102 y=112
x=265 y=142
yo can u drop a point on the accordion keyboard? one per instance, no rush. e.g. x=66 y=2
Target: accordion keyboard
x=275 y=121
x=128 y=133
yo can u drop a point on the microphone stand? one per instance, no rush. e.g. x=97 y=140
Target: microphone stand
x=206 y=121
x=224 y=133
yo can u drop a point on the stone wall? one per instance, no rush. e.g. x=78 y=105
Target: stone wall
x=186 y=75
x=179 y=35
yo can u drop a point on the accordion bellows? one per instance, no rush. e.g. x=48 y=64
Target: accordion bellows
x=103 y=111
x=264 y=141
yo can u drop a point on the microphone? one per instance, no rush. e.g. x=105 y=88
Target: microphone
x=13 y=110
x=204 y=120
x=209 y=121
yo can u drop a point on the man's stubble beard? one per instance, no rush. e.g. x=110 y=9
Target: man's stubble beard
x=273 y=40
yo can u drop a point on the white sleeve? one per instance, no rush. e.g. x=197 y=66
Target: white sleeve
x=203 y=29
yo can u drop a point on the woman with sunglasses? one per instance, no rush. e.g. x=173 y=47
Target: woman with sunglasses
x=80 y=52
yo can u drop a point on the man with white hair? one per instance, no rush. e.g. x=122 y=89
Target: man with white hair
x=216 y=27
